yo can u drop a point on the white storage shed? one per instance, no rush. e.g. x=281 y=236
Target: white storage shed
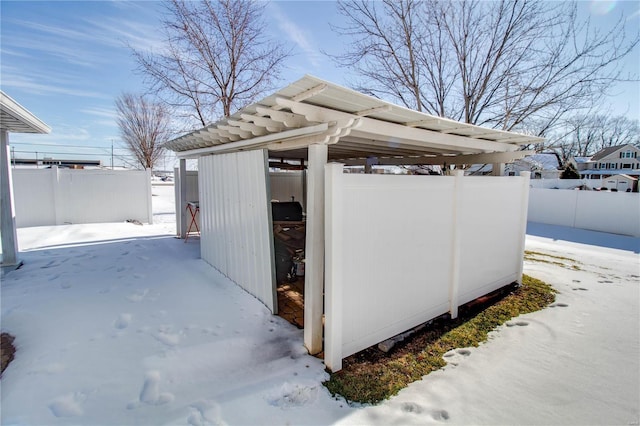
x=384 y=253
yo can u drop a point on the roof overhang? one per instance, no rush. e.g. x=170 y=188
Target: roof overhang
x=15 y=118
x=354 y=126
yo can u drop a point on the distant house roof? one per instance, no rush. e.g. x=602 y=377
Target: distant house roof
x=352 y=124
x=610 y=150
x=548 y=161
x=15 y=118
x=582 y=160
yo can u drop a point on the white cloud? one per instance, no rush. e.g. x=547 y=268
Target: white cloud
x=297 y=35
x=33 y=84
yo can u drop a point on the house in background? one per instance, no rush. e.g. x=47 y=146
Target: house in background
x=621 y=183
x=541 y=166
x=614 y=160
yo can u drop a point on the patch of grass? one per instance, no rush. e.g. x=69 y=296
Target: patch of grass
x=563 y=262
x=371 y=376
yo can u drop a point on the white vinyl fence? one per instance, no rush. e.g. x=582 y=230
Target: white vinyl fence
x=613 y=212
x=401 y=250
x=55 y=196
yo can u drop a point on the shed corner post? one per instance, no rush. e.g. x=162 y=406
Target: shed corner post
x=183 y=198
x=454 y=287
x=524 y=208
x=333 y=267
x=7 y=212
x=314 y=249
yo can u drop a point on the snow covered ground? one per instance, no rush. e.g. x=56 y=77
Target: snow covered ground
x=123 y=324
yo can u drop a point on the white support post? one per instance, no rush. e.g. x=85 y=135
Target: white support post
x=524 y=207
x=183 y=198
x=314 y=249
x=454 y=287
x=7 y=210
x=333 y=252
x=497 y=169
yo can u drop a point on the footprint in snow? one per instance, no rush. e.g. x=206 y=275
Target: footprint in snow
x=123 y=321
x=559 y=305
x=439 y=415
x=69 y=405
x=138 y=295
x=293 y=395
x=411 y=407
x=517 y=323
x=579 y=289
x=150 y=393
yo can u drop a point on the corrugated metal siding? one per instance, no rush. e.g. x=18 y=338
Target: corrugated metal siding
x=235 y=216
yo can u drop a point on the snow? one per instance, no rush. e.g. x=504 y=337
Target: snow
x=124 y=324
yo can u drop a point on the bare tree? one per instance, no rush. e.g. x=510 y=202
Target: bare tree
x=216 y=58
x=144 y=126
x=584 y=135
x=500 y=63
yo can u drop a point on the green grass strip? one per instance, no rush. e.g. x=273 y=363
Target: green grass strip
x=373 y=378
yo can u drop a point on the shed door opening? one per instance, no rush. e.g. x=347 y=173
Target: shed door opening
x=289 y=232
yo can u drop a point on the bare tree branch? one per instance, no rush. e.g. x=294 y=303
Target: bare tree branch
x=144 y=125
x=216 y=58
x=510 y=64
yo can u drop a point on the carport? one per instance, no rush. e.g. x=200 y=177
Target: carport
x=14 y=118
x=445 y=239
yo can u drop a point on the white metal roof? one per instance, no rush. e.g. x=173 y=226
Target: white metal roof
x=15 y=118
x=354 y=125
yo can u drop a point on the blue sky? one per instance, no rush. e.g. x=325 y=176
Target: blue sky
x=67 y=61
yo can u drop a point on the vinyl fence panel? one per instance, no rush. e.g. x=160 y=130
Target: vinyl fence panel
x=401 y=250
x=65 y=196
x=613 y=212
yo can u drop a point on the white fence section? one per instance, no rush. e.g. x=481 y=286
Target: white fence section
x=613 y=212
x=285 y=185
x=59 y=196
x=192 y=196
x=237 y=234
x=401 y=250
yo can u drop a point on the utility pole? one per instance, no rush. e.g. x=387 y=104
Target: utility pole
x=111 y=154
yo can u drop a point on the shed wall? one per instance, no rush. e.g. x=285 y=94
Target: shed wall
x=235 y=220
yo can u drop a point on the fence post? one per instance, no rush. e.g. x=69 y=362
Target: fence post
x=315 y=248
x=55 y=191
x=524 y=208
x=333 y=267
x=182 y=202
x=149 y=197
x=454 y=285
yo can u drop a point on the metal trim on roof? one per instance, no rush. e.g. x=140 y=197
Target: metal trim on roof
x=359 y=126
x=15 y=118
